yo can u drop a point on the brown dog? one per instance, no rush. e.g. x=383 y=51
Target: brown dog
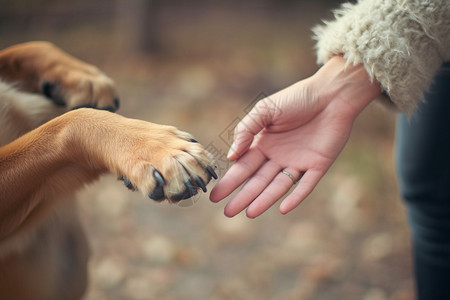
x=47 y=154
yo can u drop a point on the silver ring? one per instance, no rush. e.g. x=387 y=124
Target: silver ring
x=290 y=176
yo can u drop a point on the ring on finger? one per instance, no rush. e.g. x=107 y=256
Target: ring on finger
x=290 y=176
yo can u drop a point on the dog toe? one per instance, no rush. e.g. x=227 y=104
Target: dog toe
x=157 y=193
x=52 y=92
x=187 y=193
x=166 y=163
x=128 y=183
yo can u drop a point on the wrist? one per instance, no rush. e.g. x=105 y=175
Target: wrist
x=348 y=86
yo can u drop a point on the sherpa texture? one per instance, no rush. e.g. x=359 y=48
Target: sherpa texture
x=401 y=43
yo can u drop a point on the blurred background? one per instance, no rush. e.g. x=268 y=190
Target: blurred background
x=200 y=65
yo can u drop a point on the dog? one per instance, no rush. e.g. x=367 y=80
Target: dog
x=59 y=132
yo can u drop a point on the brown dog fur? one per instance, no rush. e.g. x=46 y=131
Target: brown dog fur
x=48 y=153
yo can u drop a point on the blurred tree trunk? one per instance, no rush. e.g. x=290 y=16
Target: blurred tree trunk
x=137 y=22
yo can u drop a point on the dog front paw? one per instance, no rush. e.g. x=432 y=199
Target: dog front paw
x=171 y=165
x=183 y=185
x=160 y=161
x=79 y=88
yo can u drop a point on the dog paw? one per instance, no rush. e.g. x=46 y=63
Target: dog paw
x=162 y=162
x=87 y=87
x=41 y=67
x=79 y=85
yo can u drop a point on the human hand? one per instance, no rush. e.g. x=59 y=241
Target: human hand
x=301 y=130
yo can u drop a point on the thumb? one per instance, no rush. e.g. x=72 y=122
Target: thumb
x=256 y=120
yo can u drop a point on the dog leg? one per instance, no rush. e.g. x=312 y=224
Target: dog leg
x=51 y=263
x=74 y=149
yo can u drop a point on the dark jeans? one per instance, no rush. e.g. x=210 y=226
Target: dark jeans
x=423 y=165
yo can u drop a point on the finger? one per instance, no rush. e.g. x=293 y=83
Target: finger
x=237 y=174
x=305 y=186
x=257 y=119
x=280 y=185
x=252 y=188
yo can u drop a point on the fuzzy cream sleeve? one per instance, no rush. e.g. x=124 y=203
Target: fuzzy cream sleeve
x=401 y=43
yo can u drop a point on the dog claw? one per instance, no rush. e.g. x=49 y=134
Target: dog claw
x=159 y=178
x=187 y=193
x=128 y=184
x=201 y=184
x=211 y=171
x=51 y=92
x=193 y=140
x=116 y=103
x=158 y=191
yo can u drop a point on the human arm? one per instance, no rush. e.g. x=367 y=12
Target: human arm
x=400 y=43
